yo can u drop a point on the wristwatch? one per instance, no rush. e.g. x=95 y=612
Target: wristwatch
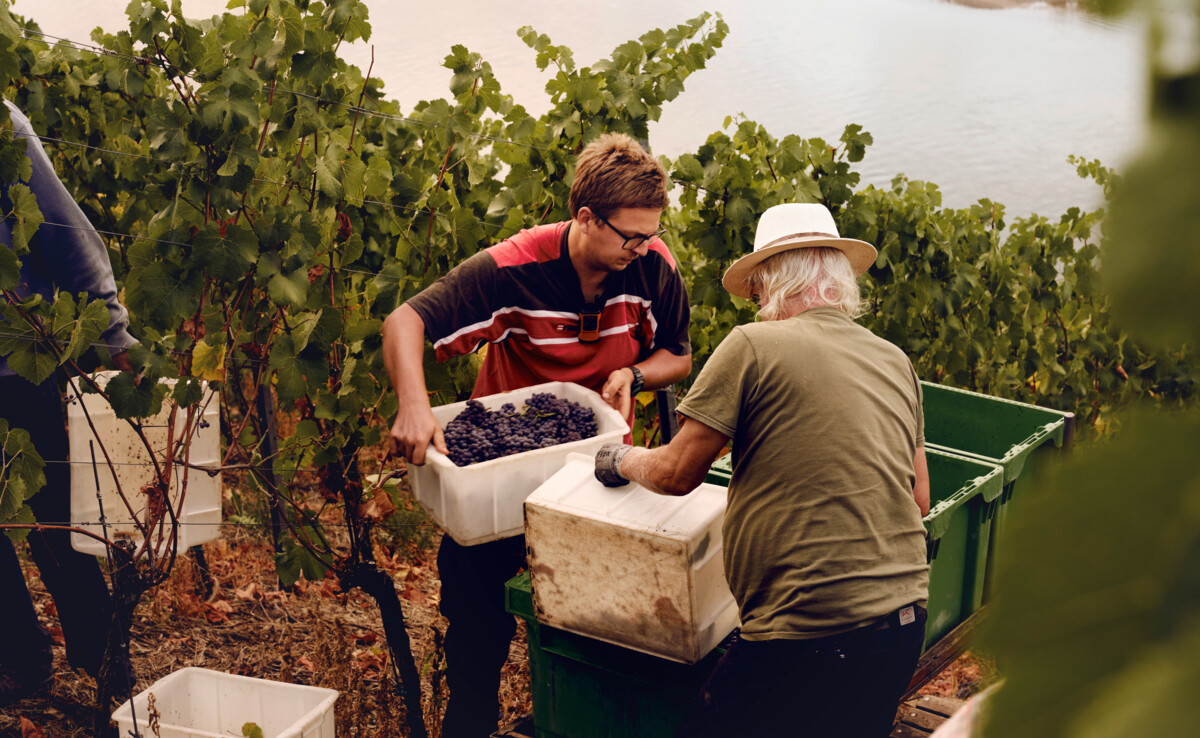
x=638 y=381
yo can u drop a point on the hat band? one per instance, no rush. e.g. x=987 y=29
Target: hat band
x=797 y=235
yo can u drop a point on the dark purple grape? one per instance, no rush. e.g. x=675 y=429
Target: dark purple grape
x=479 y=434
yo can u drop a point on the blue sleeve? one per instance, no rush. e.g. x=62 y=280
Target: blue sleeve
x=71 y=251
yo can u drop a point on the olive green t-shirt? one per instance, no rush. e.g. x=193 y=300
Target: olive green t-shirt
x=822 y=534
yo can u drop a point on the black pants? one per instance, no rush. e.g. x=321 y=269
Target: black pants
x=73 y=579
x=480 y=630
x=847 y=686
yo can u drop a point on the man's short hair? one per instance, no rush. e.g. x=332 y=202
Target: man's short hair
x=615 y=172
x=806 y=278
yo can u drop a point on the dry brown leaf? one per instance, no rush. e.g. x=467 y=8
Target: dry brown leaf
x=414 y=595
x=330 y=588
x=29 y=730
x=371 y=661
x=252 y=591
x=367 y=638
x=218 y=611
x=401 y=574
x=379 y=507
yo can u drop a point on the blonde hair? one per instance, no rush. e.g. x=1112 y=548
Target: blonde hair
x=790 y=283
x=615 y=172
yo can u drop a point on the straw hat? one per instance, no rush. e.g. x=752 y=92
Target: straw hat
x=795 y=226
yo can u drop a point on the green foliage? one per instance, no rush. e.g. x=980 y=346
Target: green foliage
x=1098 y=599
x=1152 y=276
x=41 y=336
x=24 y=218
x=1099 y=584
x=296 y=560
x=1015 y=310
x=409 y=525
x=21 y=476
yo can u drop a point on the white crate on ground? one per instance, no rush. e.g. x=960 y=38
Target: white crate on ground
x=628 y=566
x=201 y=513
x=482 y=502
x=201 y=703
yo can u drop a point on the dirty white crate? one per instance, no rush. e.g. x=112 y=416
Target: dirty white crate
x=628 y=566
x=201 y=703
x=200 y=516
x=482 y=502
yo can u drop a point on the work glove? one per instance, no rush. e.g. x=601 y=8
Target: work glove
x=608 y=464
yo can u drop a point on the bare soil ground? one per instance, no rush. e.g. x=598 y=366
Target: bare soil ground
x=314 y=634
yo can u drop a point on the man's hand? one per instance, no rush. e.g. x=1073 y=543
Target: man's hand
x=608 y=464
x=412 y=432
x=616 y=393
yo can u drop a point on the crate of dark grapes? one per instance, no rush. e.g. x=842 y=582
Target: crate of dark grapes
x=502 y=447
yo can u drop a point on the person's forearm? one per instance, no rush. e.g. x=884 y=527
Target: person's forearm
x=921 y=483
x=663 y=368
x=403 y=354
x=651 y=469
x=675 y=469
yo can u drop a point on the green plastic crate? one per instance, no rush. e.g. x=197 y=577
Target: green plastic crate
x=721 y=471
x=1014 y=435
x=999 y=431
x=962 y=500
x=584 y=688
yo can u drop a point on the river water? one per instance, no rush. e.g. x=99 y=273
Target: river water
x=985 y=103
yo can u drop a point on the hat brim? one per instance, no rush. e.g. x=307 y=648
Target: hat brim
x=737 y=277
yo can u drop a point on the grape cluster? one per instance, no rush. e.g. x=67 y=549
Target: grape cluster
x=479 y=434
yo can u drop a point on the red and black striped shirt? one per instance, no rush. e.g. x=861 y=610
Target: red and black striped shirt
x=524 y=297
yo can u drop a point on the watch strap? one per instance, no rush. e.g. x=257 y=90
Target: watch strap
x=638 y=381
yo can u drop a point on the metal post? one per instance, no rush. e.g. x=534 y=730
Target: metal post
x=668 y=423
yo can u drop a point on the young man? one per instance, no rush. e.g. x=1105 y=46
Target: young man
x=823 y=543
x=596 y=300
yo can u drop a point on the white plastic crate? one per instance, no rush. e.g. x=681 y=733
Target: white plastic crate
x=482 y=502
x=628 y=566
x=200 y=517
x=202 y=703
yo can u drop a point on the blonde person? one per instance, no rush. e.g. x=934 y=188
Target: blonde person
x=596 y=300
x=823 y=543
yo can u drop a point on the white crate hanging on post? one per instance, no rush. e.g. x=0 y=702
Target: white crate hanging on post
x=200 y=516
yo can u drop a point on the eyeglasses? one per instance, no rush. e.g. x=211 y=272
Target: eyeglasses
x=634 y=242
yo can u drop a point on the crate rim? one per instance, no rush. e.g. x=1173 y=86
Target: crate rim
x=989 y=486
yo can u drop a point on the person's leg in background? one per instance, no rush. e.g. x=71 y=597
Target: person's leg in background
x=480 y=631
x=73 y=579
x=26 y=662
